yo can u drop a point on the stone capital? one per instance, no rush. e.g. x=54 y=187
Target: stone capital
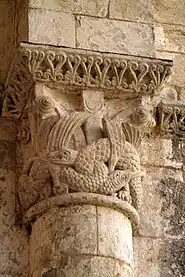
x=80 y=115
x=83 y=112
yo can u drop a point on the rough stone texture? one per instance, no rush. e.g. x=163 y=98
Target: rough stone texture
x=169 y=11
x=159 y=152
x=169 y=37
x=159 y=258
x=114 y=36
x=50 y=27
x=13 y=241
x=146 y=257
x=133 y=10
x=76 y=240
x=161 y=203
x=88 y=7
x=114 y=240
x=21 y=21
x=178 y=66
x=7 y=144
x=6 y=37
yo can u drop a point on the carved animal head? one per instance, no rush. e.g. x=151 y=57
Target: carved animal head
x=64 y=156
x=119 y=179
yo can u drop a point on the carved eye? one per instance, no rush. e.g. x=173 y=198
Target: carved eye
x=65 y=153
x=116 y=174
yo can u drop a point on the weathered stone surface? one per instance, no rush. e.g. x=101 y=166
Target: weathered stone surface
x=8 y=131
x=169 y=92
x=169 y=11
x=132 y=10
x=49 y=27
x=7 y=144
x=146 y=257
x=7 y=197
x=171 y=259
x=13 y=250
x=115 y=36
x=89 y=7
x=73 y=238
x=114 y=240
x=176 y=78
x=159 y=152
x=79 y=266
x=69 y=230
x=164 y=257
x=169 y=37
x=21 y=30
x=163 y=208
x=6 y=40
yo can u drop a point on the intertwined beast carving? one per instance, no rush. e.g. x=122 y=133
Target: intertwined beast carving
x=109 y=165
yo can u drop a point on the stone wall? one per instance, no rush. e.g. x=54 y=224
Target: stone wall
x=152 y=28
x=6 y=37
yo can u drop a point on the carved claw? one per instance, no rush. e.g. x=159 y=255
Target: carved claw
x=125 y=196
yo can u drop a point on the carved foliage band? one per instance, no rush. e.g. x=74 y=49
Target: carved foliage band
x=98 y=70
x=116 y=75
x=172 y=118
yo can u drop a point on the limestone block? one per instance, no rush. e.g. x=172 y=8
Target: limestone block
x=114 y=36
x=80 y=266
x=162 y=211
x=146 y=257
x=176 y=78
x=49 y=27
x=13 y=252
x=169 y=37
x=14 y=244
x=159 y=152
x=22 y=22
x=159 y=258
x=63 y=231
x=72 y=230
x=169 y=11
x=133 y=10
x=8 y=130
x=169 y=92
x=7 y=144
x=88 y=7
x=7 y=197
x=182 y=94
x=6 y=39
x=115 y=240
x=85 y=239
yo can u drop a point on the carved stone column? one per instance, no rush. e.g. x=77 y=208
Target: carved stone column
x=80 y=190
